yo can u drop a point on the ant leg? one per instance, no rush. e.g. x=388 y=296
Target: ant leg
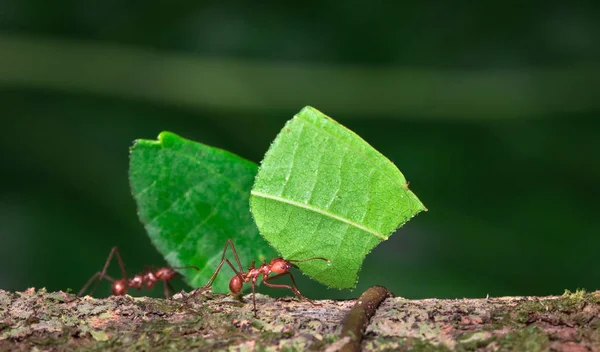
x=230 y=243
x=254 y=298
x=212 y=278
x=293 y=288
x=115 y=251
x=103 y=273
x=166 y=287
x=223 y=260
x=170 y=288
x=100 y=276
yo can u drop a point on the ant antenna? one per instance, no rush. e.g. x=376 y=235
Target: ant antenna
x=305 y=260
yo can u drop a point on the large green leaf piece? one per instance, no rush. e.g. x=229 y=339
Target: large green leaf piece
x=323 y=191
x=191 y=198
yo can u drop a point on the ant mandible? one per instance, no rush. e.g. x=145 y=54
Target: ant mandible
x=147 y=279
x=278 y=266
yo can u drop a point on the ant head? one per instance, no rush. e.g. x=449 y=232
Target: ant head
x=280 y=265
x=165 y=273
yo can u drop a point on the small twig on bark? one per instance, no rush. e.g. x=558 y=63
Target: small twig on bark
x=357 y=320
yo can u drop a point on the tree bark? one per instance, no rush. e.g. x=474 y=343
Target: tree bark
x=40 y=321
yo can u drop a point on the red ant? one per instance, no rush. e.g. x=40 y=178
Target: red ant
x=147 y=279
x=279 y=266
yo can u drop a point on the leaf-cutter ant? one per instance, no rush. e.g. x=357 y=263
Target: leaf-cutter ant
x=148 y=279
x=279 y=266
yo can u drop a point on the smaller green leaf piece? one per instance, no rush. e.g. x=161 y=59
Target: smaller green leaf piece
x=191 y=198
x=322 y=191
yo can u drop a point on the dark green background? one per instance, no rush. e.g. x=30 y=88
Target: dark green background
x=493 y=119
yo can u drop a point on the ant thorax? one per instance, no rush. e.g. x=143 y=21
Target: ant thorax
x=136 y=281
x=254 y=273
x=149 y=279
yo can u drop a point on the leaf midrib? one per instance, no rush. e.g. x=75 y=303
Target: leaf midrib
x=319 y=211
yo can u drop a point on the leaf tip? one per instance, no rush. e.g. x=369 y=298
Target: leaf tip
x=167 y=139
x=309 y=110
x=164 y=138
x=422 y=205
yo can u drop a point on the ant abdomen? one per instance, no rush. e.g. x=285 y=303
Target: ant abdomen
x=120 y=287
x=235 y=285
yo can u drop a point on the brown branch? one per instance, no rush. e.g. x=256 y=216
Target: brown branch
x=45 y=321
x=358 y=318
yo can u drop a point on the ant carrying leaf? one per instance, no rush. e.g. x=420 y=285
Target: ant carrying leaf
x=279 y=266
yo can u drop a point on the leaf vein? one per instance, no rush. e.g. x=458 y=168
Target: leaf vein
x=319 y=211
x=374 y=163
x=291 y=167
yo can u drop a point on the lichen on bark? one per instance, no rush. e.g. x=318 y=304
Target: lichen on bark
x=38 y=320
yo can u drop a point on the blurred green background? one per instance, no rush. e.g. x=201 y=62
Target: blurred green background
x=489 y=109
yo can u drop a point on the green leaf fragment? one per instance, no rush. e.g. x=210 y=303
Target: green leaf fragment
x=322 y=191
x=191 y=198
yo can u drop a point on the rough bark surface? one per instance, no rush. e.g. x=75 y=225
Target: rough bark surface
x=35 y=320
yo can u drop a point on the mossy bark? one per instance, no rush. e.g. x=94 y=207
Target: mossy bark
x=37 y=320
